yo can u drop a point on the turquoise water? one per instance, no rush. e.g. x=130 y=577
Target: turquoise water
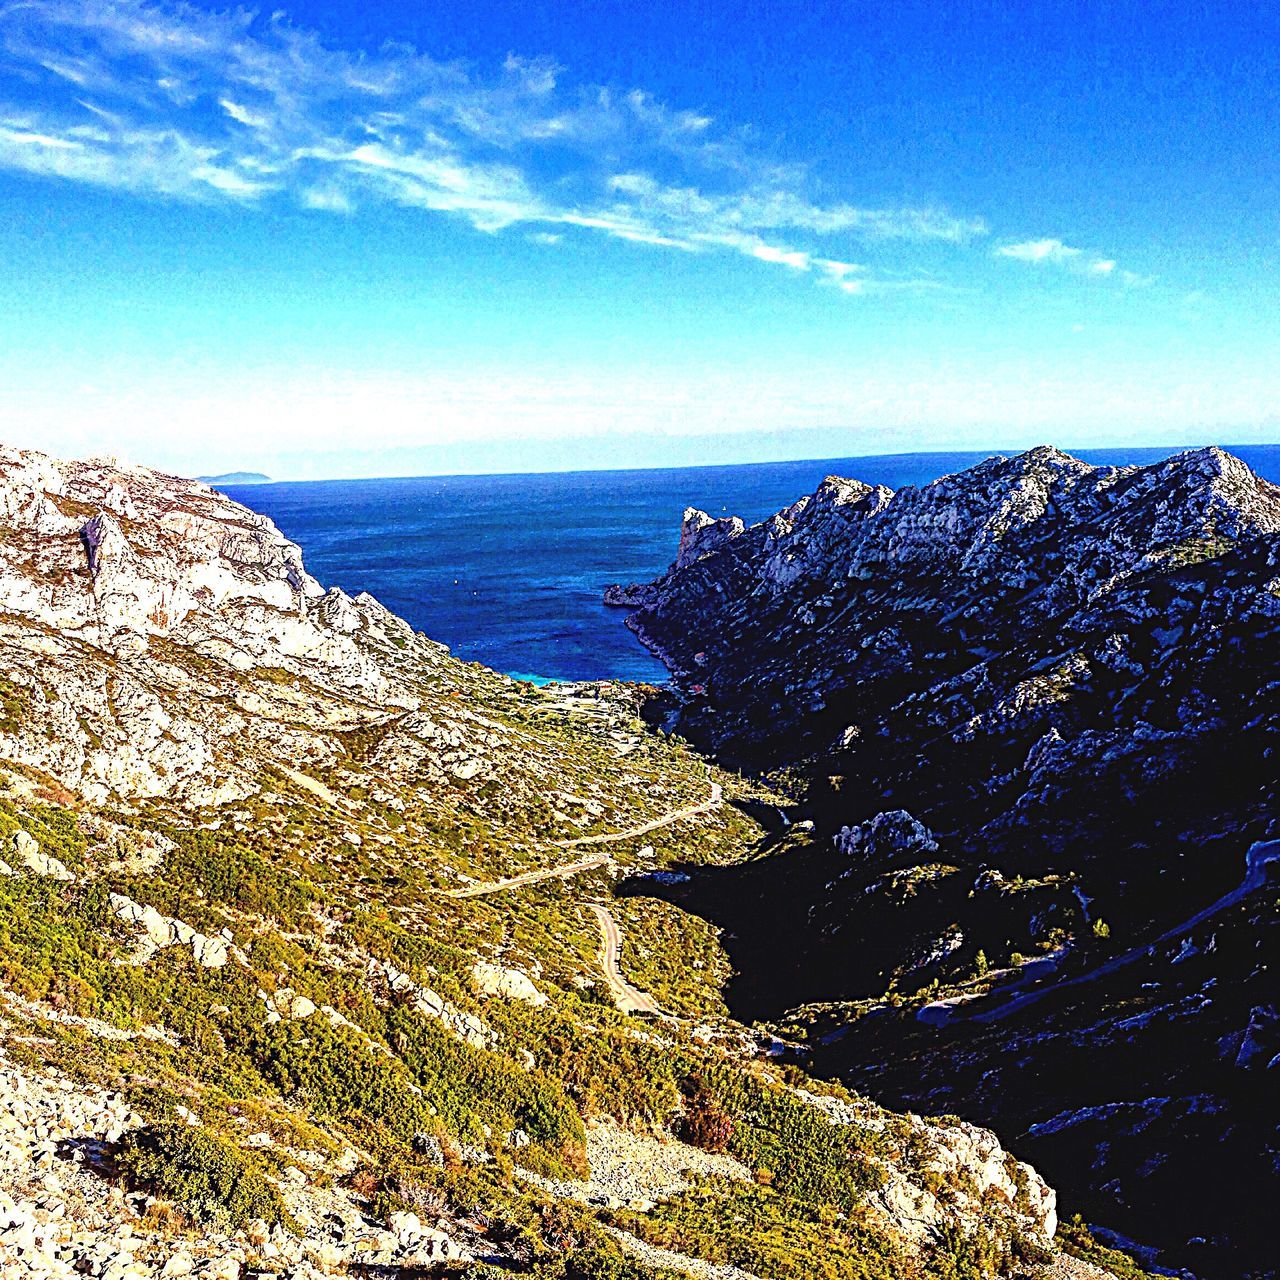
x=508 y=570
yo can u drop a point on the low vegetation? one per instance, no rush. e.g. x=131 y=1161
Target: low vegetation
x=202 y=1173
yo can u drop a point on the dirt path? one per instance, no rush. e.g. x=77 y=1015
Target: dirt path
x=565 y=870
x=628 y=998
x=645 y=827
x=562 y=872
x=1258 y=860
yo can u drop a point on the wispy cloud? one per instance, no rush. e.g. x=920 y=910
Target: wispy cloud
x=1053 y=252
x=168 y=100
x=1040 y=251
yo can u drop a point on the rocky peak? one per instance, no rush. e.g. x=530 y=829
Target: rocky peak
x=103 y=569
x=119 y=555
x=701 y=535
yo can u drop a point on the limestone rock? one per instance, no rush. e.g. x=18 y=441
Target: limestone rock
x=29 y=855
x=494 y=980
x=701 y=535
x=210 y=953
x=887 y=835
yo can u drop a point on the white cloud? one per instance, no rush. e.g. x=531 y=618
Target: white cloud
x=837 y=270
x=242 y=114
x=20 y=137
x=228 y=105
x=792 y=258
x=1054 y=252
x=1039 y=251
x=326 y=200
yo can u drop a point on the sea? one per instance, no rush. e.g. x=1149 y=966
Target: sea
x=508 y=570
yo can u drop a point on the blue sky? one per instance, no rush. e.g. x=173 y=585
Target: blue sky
x=369 y=239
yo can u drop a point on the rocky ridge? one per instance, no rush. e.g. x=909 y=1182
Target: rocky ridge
x=892 y=593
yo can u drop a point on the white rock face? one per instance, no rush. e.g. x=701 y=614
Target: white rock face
x=494 y=980
x=116 y=585
x=27 y=854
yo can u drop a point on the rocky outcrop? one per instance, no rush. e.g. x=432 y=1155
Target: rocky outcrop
x=165 y=642
x=467 y=1026
x=156 y=931
x=887 y=835
x=27 y=855
x=513 y=984
x=135 y=565
x=701 y=535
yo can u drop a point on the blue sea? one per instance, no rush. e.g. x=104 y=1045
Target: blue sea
x=508 y=569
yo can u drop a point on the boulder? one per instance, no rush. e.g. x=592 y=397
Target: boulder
x=28 y=854
x=494 y=980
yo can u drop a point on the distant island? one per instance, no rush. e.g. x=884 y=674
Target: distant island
x=237 y=477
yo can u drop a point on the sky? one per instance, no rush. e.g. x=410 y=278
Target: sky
x=346 y=238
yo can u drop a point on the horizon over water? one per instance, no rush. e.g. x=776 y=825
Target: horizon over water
x=508 y=570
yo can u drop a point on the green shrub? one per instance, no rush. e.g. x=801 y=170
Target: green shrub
x=337 y=1073
x=810 y=1158
x=466 y=1084
x=202 y=1173
x=766 y=1234
x=600 y=1264
x=1075 y=1238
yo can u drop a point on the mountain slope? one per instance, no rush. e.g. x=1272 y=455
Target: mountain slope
x=301 y=958
x=1033 y=711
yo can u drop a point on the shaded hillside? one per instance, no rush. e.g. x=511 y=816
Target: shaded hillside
x=1032 y=710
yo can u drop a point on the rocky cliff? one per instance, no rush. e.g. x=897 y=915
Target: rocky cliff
x=845 y=604
x=1032 y=713
x=309 y=952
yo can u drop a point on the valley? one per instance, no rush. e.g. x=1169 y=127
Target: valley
x=314 y=959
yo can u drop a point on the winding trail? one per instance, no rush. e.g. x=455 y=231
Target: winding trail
x=1257 y=860
x=628 y=998
x=566 y=870
x=676 y=815
x=562 y=872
